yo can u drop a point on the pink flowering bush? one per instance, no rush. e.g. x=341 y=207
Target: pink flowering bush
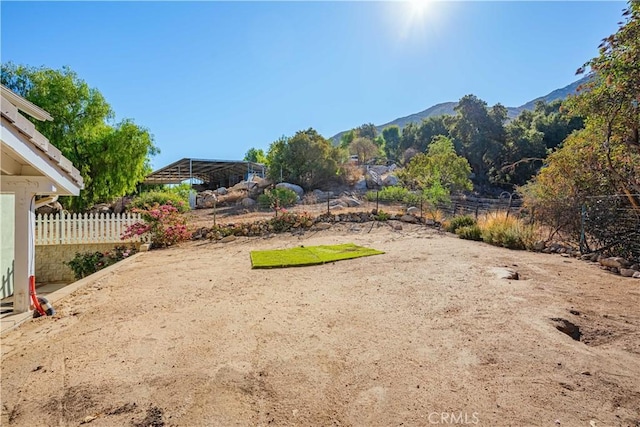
x=164 y=224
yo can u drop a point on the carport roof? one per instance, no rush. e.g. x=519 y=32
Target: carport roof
x=204 y=170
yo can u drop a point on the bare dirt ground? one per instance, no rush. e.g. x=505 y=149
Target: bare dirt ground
x=425 y=334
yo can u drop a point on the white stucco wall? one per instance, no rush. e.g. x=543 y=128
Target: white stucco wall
x=7 y=236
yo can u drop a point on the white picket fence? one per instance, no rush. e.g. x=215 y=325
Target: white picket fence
x=61 y=228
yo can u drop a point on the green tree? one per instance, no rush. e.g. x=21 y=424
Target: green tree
x=112 y=157
x=255 y=155
x=367 y=130
x=610 y=104
x=437 y=172
x=391 y=135
x=347 y=138
x=306 y=159
x=364 y=148
x=604 y=157
x=479 y=134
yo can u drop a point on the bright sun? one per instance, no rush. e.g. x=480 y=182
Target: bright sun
x=418 y=7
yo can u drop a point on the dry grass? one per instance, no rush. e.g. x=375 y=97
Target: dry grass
x=501 y=229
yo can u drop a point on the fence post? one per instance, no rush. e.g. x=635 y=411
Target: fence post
x=477 y=208
x=328 y=199
x=583 y=240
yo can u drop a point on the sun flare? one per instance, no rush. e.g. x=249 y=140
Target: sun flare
x=418 y=7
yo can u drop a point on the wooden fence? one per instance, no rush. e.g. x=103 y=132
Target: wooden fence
x=61 y=228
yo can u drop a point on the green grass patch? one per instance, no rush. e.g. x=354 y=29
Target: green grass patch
x=311 y=255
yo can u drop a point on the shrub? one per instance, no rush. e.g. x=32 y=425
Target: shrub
x=507 y=231
x=86 y=263
x=165 y=225
x=177 y=198
x=382 y=216
x=460 y=221
x=277 y=198
x=469 y=232
x=394 y=194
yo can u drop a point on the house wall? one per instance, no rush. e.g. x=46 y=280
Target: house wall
x=50 y=260
x=7 y=238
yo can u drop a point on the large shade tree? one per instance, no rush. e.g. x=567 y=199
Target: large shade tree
x=112 y=157
x=306 y=159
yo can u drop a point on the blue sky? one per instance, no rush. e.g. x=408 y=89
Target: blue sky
x=212 y=79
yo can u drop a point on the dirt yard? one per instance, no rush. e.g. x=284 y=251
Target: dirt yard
x=425 y=334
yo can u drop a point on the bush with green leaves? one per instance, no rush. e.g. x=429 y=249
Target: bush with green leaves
x=460 y=221
x=176 y=198
x=394 y=194
x=469 y=232
x=86 y=263
x=277 y=198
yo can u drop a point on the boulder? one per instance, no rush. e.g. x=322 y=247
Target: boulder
x=222 y=191
x=248 y=202
x=614 y=262
x=100 y=208
x=349 y=202
x=539 y=245
x=627 y=272
x=506 y=273
x=636 y=275
x=390 y=181
x=323 y=226
x=361 y=185
x=373 y=180
x=322 y=196
x=121 y=204
x=228 y=239
x=413 y=211
x=206 y=199
x=379 y=169
x=397 y=226
x=293 y=187
x=51 y=208
x=393 y=167
x=409 y=218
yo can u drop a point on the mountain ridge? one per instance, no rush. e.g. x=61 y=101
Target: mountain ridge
x=447 y=108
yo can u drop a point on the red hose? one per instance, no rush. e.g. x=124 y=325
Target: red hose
x=34 y=297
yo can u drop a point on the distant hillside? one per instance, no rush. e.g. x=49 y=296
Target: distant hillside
x=447 y=108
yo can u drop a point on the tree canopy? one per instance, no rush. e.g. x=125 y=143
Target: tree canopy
x=306 y=159
x=439 y=171
x=112 y=157
x=255 y=155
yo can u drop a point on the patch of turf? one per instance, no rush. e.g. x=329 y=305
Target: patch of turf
x=312 y=255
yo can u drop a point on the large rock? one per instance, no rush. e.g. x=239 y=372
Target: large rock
x=222 y=191
x=379 y=169
x=614 y=262
x=206 y=199
x=51 y=208
x=121 y=204
x=409 y=218
x=322 y=196
x=627 y=272
x=248 y=202
x=636 y=275
x=390 y=181
x=299 y=191
x=539 y=245
x=350 y=202
x=413 y=211
x=373 y=180
x=322 y=226
x=361 y=185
